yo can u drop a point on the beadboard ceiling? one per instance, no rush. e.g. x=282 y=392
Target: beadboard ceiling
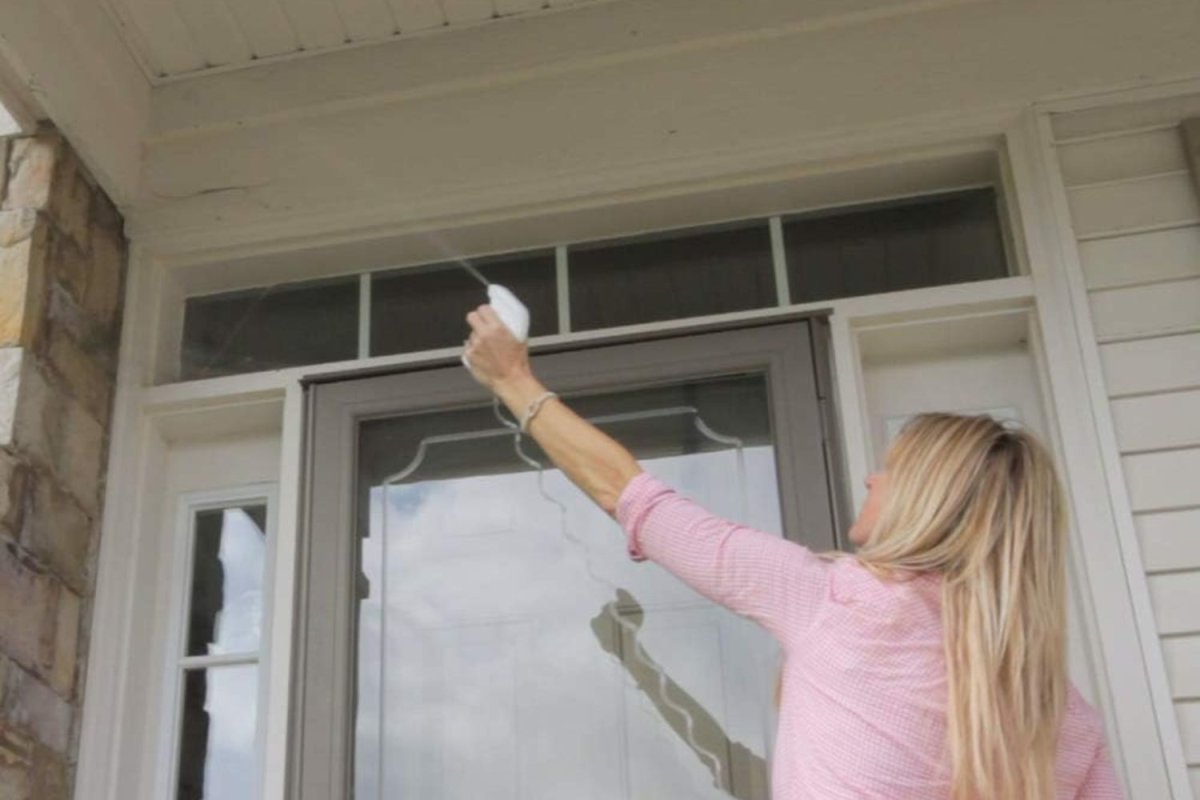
x=185 y=38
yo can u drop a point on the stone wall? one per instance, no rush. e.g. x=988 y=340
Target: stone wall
x=62 y=264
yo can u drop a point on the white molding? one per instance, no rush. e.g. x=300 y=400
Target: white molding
x=924 y=137
x=562 y=288
x=1145 y=740
x=277 y=668
x=783 y=290
x=107 y=731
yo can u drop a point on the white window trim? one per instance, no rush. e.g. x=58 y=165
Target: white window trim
x=177 y=662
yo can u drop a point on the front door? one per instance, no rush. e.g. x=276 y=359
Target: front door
x=471 y=624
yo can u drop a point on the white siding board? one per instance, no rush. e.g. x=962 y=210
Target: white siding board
x=216 y=31
x=1176 y=599
x=1125 y=117
x=1189 y=729
x=1132 y=156
x=316 y=23
x=367 y=19
x=1152 y=365
x=1146 y=310
x=1194 y=776
x=1155 y=422
x=1165 y=480
x=265 y=26
x=1153 y=256
x=1170 y=541
x=1111 y=207
x=1183 y=666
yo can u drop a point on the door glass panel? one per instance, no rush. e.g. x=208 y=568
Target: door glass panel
x=507 y=645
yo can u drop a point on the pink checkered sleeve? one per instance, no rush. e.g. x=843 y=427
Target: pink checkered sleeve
x=1101 y=782
x=774 y=582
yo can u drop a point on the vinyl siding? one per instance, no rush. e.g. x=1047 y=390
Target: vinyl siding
x=1135 y=211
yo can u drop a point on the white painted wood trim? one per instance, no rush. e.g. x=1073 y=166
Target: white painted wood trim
x=783 y=291
x=562 y=286
x=364 y=315
x=1145 y=736
x=276 y=719
x=850 y=398
x=105 y=729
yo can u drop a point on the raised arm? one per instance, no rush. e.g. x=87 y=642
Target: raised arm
x=758 y=575
x=593 y=460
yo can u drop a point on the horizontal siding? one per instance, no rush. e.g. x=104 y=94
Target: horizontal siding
x=1141 y=258
x=1157 y=421
x=1183 y=666
x=1118 y=158
x=1135 y=210
x=1129 y=118
x=1189 y=727
x=1170 y=539
x=1171 y=363
x=1176 y=599
x=1156 y=201
x=1164 y=480
x=1146 y=310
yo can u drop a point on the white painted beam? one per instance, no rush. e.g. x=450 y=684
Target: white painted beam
x=504 y=116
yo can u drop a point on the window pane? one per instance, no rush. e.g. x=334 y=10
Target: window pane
x=425 y=308
x=928 y=242
x=217 y=758
x=682 y=274
x=270 y=328
x=227 y=569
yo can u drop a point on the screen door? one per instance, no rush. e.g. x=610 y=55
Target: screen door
x=473 y=625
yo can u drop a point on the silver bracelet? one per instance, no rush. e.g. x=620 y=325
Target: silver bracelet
x=534 y=408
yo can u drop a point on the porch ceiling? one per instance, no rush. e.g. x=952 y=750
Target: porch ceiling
x=173 y=38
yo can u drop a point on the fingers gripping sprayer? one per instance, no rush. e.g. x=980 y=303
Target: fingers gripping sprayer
x=515 y=316
x=512 y=312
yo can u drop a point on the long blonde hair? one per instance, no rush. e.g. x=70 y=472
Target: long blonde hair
x=981 y=504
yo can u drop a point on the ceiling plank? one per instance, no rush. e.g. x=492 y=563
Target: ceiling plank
x=466 y=11
x=217 y=34
x=317 y=23
x=507 y=7
x=418 y=15
x=266 y=27
x=367 y=20
x=159 y=34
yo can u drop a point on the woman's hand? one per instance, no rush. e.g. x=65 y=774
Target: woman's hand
x=494 y=355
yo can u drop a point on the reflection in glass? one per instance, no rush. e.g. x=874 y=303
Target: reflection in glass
x=671 y=276
x=489 y=660
x=269 y=328
x=423 y=308
x=929 y=241
x=217 y=758
x=226 y=591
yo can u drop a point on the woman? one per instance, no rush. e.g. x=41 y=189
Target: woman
x=931 y=664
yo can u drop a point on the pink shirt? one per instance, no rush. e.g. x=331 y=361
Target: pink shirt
x=864 y=682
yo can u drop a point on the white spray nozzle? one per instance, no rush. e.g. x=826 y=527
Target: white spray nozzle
x=512 y=312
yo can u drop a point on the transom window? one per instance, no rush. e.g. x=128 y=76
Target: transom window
x=932 y=240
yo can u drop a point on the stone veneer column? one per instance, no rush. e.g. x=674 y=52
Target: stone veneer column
x=62 y=264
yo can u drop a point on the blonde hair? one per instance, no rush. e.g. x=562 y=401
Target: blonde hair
x=981 y=504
